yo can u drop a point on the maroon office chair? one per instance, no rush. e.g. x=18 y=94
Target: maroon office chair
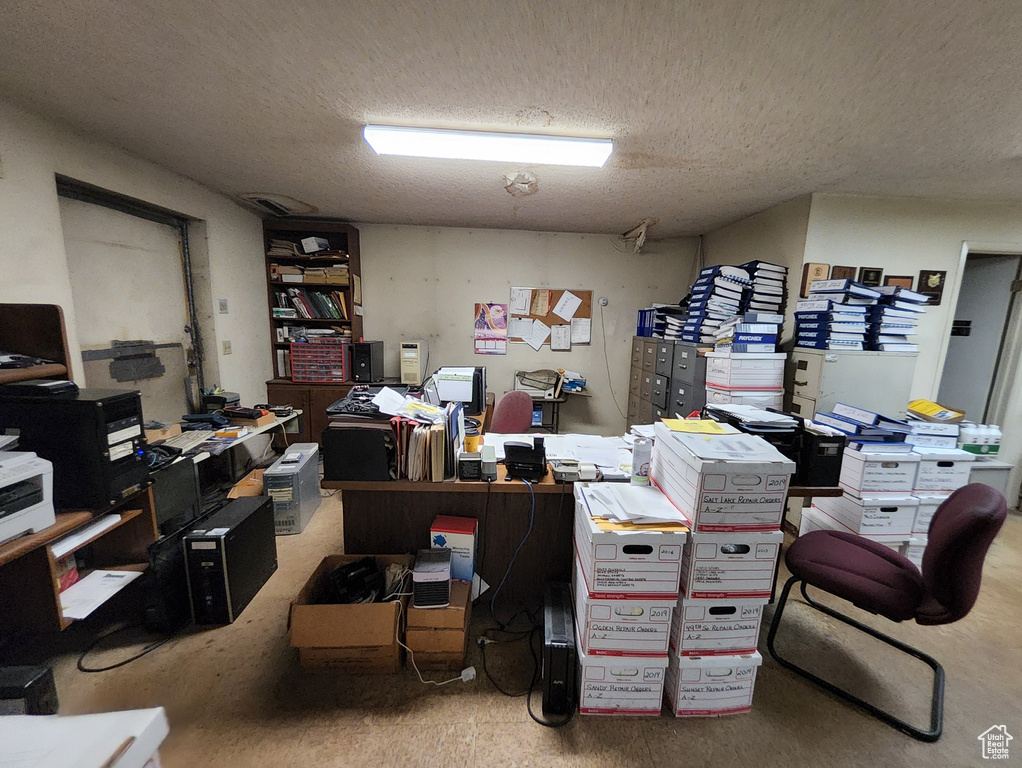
x=879 y=580
x=513 y=413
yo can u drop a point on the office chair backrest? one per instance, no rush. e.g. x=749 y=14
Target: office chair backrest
x=513 y=413
x=960 y=535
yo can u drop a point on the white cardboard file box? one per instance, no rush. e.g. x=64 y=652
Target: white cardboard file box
x=942 y=469
x=722 y=482
x=620 y=685
x=913 y=549
x=621 y=627
x=708 y=686
x=716 y=627
x=814 y=519
x=928 y=503
x=725 y=370
x=887 y=520
x=643 y=563
x=765 y=398
x=872 y=473
x=734 y=565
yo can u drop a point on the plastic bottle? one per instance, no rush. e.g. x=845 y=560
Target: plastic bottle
x=967 y=437
x=642 y=453
x=995 y=438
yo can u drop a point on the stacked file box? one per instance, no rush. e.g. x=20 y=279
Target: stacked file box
x=894 y=318
x=732 y=489
x=717 y=294
x=626 y=584
x=745 y=378
x=942 y=471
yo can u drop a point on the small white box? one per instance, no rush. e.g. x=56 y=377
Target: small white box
x=873 y=473
x=942 y=469
x=761 y=398
x=620 y=627
x=315 y=244
x=814 y=519
x=708 y=686
x=928 y=503
x=642 y=563
x=890 y=517
x=620 y=685
x=732 y=565
x=716 y=627
x=722 y=482
x=727 y=370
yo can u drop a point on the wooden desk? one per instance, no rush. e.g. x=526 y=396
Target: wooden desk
x=395 y=517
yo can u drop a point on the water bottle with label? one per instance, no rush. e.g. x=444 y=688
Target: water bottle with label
x=642 y=453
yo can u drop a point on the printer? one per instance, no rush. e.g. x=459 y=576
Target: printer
x=462 y=385
x=26 y=494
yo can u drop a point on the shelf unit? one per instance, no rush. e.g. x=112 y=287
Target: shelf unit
x=29 y=587
x=312 y=399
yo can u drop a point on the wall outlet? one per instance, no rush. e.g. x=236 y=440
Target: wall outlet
x=604 y=301
x=222 y=306
x=227 y=347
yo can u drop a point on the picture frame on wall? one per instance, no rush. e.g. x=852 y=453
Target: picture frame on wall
x=931 y=283
x=871 y=276
x=812 y=271
x=904 y=281
x=842 y=273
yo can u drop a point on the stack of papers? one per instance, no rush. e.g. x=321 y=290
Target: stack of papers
x=637 y=504
x=752 y=416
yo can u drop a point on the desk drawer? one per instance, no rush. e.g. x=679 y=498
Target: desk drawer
x=646 y=386
x=649 y=355
x=803 y=406
x=664 y=358
x=661 y=390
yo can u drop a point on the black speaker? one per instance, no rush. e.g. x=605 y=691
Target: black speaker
x=367 y=361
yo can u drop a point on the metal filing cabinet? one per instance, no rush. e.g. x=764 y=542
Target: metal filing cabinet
x=641 y=380
x=687 y=390
x=661 y=390
x=818 y=379
x=664 y=358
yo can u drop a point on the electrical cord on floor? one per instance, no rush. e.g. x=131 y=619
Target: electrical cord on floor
x=606 y=359
x=92 y=646
x=510 y=565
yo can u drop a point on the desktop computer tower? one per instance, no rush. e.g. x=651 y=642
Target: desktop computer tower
x=367 y=361
x=229 y=558
x=414 y=359
x=292 y=481
x=92 y=437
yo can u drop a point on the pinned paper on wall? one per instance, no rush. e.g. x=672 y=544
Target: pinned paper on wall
x=491 y=329
x=581 y=330
x=567 y=305
x=540 y=332
x=560 y=338
x=540 y=302
x=520 y=328
x=521 y=298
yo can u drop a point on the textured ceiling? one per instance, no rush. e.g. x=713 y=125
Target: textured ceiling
x=718 y=109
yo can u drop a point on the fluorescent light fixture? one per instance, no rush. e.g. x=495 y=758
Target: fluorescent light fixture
x=482 y=145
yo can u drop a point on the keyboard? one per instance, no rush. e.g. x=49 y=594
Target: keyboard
x=188 y=441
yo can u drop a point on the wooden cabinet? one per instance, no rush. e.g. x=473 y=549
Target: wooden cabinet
x=311 y=399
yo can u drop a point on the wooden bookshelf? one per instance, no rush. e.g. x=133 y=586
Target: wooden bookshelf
x=344 y=246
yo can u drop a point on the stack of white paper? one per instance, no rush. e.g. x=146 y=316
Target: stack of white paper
x=631 y=504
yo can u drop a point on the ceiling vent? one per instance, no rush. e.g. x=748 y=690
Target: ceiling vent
x=277 y=205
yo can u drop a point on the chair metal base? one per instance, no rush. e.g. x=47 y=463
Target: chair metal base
x=937 y=702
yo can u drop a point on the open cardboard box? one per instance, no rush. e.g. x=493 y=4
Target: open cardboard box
x=361 y=638
x=250 y=485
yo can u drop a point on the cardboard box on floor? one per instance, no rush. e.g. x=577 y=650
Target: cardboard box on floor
x=438 y=637
x=171 y=430
x=250 y=485
x=361 y=639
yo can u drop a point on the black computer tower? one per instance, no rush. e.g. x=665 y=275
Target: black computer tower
x=559 y=657
x=367 y=361
x=93 y=438
x=229 y=558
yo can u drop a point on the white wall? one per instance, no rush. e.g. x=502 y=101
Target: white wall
x=905 y=235
x=777 y=235
x=423 y=282
x=34 y=264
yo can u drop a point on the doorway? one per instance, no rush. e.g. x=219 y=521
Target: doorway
x=976 y=348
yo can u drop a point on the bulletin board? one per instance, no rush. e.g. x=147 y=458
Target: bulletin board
x=581 y=330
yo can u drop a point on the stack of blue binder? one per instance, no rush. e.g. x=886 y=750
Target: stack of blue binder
x=768 y=292
x=835 y=316
x=718 y=294
x=753 y=332
x=894 y=319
